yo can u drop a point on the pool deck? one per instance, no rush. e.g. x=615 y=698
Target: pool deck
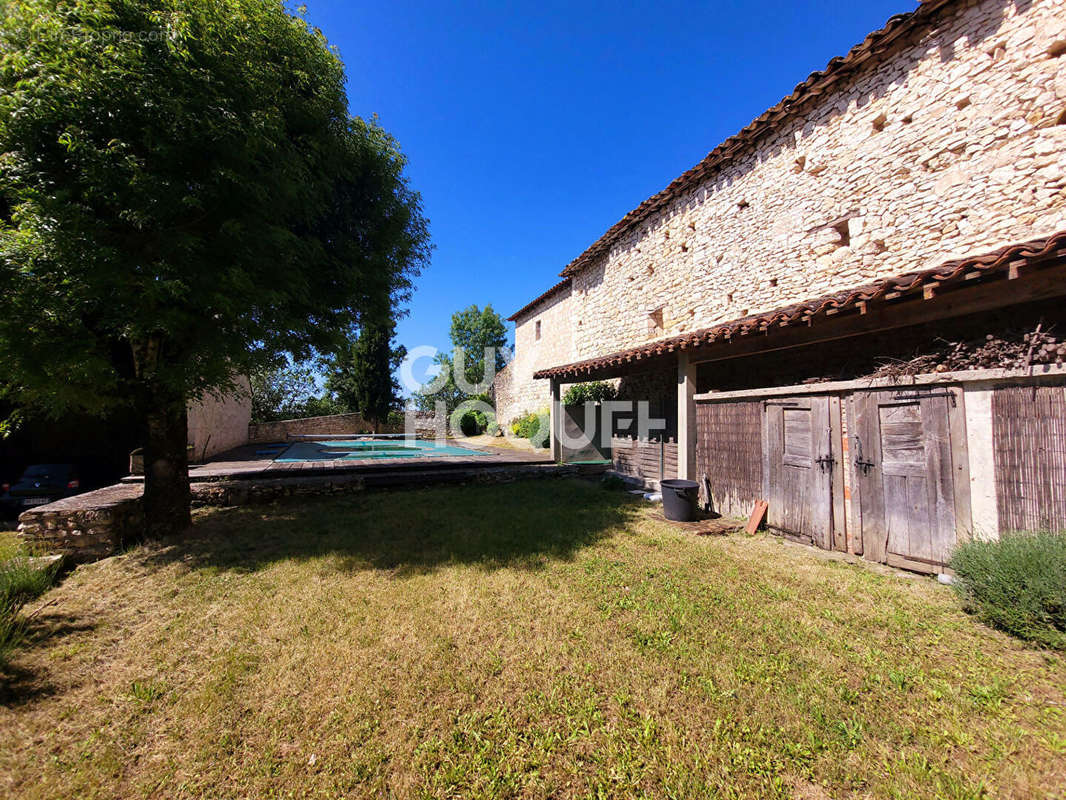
x=245 y=463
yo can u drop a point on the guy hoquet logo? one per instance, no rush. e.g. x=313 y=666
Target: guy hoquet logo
x=600 y=420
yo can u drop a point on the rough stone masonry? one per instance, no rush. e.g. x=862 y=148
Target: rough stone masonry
x=950 y=143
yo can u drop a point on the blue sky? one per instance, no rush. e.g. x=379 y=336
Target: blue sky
x=532 y=127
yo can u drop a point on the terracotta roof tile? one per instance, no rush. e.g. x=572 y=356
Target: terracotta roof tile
x=954 y=271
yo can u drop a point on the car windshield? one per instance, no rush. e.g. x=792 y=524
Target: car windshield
x=44 y=470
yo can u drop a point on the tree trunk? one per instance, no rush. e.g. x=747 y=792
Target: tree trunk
x=166 y=470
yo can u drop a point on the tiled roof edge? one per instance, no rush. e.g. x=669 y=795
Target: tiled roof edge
x=948 y=272
x=539 y=299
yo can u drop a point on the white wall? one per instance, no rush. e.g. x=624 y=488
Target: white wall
x=217 y=424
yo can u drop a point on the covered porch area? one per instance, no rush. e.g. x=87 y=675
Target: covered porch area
x=738 y=406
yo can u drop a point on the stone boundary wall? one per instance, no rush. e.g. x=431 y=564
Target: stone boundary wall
x=95 y=525
x=281 y=430
x=254 y=492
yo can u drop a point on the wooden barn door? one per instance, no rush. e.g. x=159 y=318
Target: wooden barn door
x=910 y=475
x=801 y=454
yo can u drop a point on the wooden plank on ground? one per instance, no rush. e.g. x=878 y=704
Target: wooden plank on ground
x=756 y=518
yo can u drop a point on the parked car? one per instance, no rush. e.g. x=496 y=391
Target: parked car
x=40 y=484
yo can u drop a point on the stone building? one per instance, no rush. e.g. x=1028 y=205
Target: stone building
x=912 y=191
x=543 y=337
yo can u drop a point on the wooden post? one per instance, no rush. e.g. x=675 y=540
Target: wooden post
x=686 y=417
x=555 y=422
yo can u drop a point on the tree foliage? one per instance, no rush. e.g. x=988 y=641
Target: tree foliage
x=288 y=392
x=442 y=388
x=472 y=331
x=361 y=376
x=593 y=392
x=185 y=197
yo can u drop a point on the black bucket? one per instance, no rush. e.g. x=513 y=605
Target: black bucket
x=679 y=499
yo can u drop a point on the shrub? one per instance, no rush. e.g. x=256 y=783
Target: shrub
x=595 y=392
x=541 y=433
x=473 y=423
x=1017 y=584
x=532 y=426
x=521 y=426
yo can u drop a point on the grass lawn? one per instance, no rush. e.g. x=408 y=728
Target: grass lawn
x=10 y=546
x=541 y=639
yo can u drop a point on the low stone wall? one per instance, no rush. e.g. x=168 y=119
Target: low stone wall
x=253 y=492
x=334 y=424
x=98 y=524
x=87 y=526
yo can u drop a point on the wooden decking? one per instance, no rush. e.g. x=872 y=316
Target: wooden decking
x=245 y=463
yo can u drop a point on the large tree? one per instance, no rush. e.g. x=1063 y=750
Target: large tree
x=361 y=376
x=184 y=197
x=473 y=330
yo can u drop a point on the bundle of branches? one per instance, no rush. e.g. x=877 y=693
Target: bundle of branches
x=1013 y=350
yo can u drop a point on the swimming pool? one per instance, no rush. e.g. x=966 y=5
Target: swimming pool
x=333 y=450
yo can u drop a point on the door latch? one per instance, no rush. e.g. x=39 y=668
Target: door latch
x=923 y=395
x=825 y=462
x=864 y=464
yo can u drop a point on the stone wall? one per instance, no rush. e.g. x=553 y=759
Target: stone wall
x=950 y=145
x=87 y=526
x=217 y=424
x=333 y=424
x=259 y=491
x=516 y=391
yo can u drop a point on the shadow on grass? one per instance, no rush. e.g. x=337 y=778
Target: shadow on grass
x=19 y=685
x=521 y=524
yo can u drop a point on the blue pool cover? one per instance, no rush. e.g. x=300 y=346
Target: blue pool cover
x=336 y=450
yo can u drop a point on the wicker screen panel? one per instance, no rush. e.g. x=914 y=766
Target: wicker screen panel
x=729 y=453
x=1029 y=435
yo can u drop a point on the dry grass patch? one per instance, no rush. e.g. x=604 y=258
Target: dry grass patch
x=541 y=639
